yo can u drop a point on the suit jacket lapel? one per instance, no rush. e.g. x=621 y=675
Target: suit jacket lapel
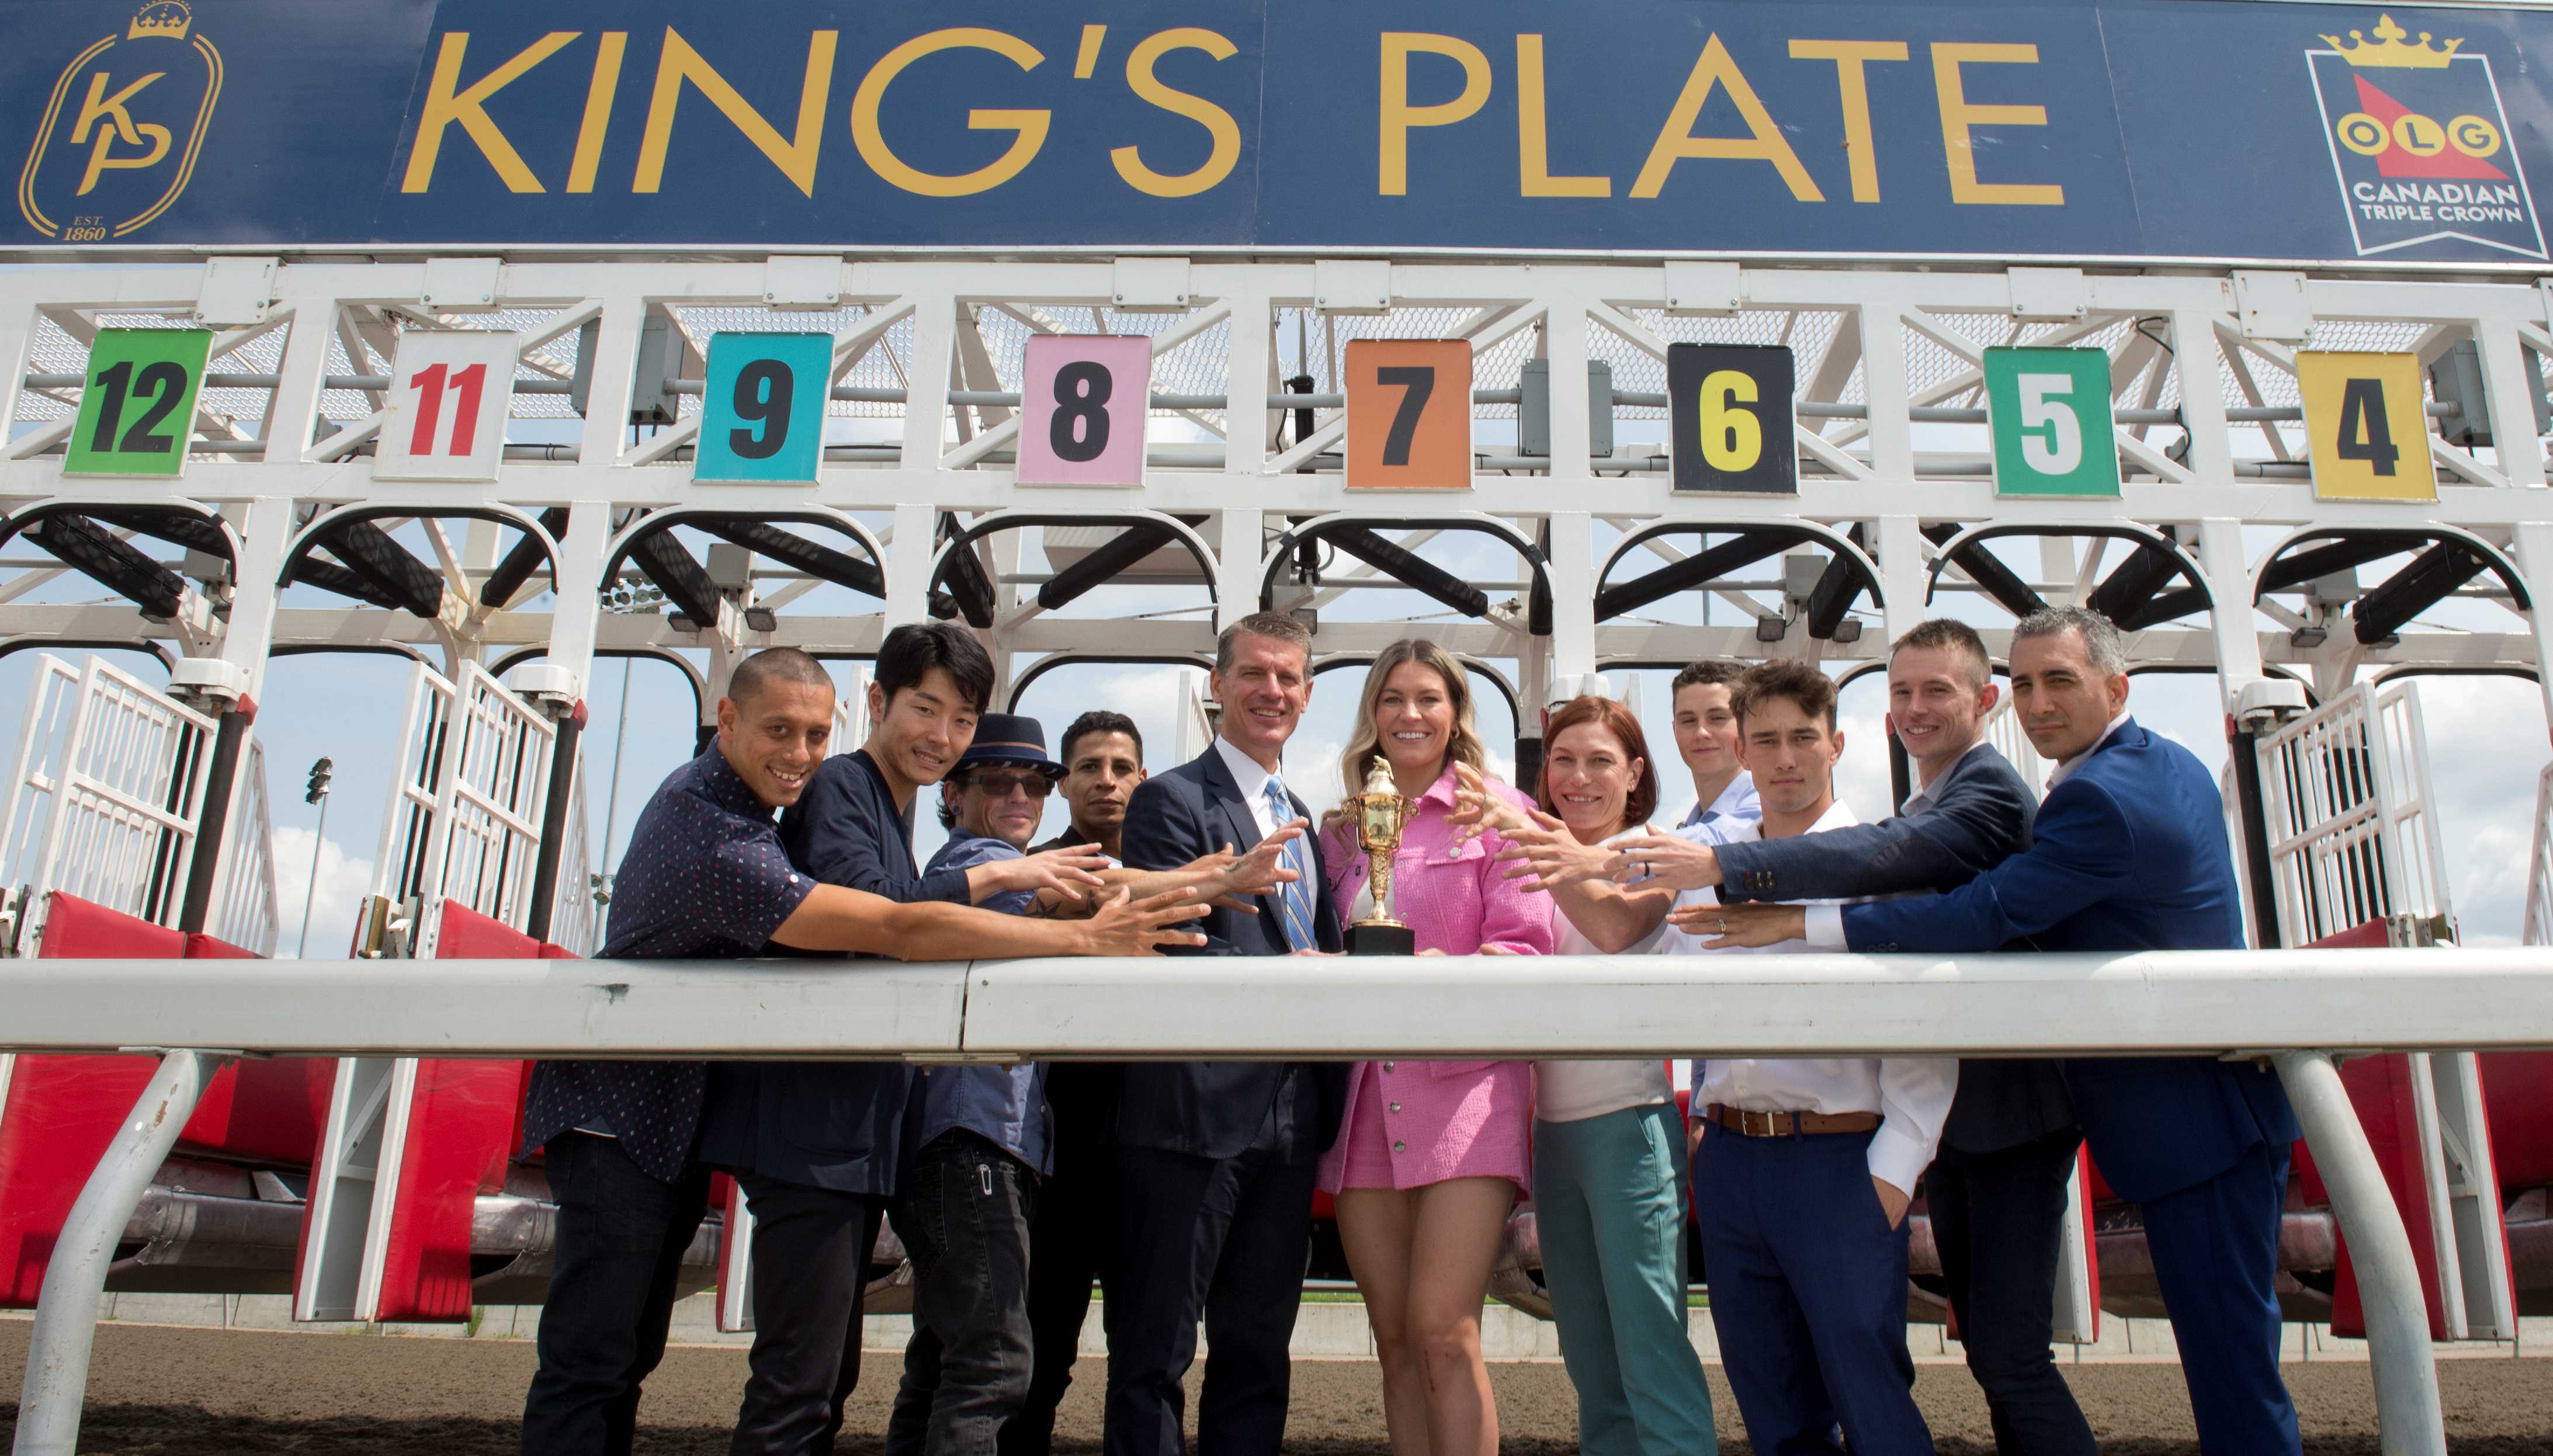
x=1236 y=809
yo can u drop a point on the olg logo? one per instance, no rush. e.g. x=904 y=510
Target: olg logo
x=121 y=131
x=2420 y=144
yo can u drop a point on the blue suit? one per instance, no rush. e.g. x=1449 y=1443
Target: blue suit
x=2129 y=853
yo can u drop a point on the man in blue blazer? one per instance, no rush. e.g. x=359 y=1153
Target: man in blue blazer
x=2129 y=853
x=1219 y=1157
x=1997 y=1190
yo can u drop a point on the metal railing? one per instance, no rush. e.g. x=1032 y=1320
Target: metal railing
x=105 y=796
x=2353 y=836
x=2294 y=1009
x=465 y=815
x=2538 y=929
x=250 y=915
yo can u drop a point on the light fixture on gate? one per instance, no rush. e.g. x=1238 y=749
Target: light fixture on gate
x=761 y=619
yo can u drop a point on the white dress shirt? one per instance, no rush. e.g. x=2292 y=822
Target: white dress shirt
x=1911 y=1094
x=1826 y=922
x=1253 y=783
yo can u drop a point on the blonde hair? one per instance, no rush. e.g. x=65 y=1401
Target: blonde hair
x=1366 y=740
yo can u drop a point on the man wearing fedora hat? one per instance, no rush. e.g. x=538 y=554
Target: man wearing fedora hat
x=981 y=1141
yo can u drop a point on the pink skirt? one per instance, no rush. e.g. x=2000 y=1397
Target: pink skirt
x=1432 y=1123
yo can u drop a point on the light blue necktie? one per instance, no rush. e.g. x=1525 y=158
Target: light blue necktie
x=1294 y=898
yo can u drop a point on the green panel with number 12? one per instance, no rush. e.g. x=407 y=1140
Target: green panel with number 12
x=137 y=407
x=2050 y=409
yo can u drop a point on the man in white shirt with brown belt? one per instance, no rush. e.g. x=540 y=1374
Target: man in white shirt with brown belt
x=1805 y=1168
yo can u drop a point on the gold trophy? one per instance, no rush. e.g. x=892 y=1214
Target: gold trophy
x=1379 y=815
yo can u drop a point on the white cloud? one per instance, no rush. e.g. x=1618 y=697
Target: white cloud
x=343 y=882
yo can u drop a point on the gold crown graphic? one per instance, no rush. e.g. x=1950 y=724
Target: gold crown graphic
x=2389 y=49
x=170 y=18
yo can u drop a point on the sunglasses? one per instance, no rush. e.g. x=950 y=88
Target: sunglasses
x=1029 y=783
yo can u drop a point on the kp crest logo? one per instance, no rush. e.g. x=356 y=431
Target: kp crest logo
x=120 y=136
x=2421 y=144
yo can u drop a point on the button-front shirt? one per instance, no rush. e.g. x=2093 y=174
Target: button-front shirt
x=1735 y=805
x=705 y=876
x=1003 y=1104
x=1912 y=1094
x=1253 y=782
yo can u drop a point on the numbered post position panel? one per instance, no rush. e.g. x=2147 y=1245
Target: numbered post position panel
x=2366 y=426
x=1728 y=409
x=449 y=394
x=762 y=408
x=2049 y=413
x=1084 y=400
x=1409 y=414
x=138 y=405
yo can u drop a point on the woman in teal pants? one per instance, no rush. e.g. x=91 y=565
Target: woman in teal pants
x=1608 y=1143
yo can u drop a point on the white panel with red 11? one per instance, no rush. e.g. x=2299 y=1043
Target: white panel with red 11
x=447 y=406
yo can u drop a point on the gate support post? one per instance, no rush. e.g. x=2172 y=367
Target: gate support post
x=66 y=1309
x=2408 y=1417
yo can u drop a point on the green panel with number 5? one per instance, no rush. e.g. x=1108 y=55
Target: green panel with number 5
x=2049 y=411
x=137 y=407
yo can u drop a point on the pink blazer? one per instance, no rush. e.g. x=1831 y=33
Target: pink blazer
x=1445 y=1120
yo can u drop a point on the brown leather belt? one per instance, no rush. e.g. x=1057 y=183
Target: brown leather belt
x=1791 y=1124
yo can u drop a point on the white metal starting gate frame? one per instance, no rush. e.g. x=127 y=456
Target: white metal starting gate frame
x=2354 y=840
x=2218 y=554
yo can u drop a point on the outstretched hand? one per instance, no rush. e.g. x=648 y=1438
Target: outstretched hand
x=1545 y=854
x=1478 y=811
x=1239 y=880
x=1654 y=861
x=1742 y=926
x=1124 y=927
x=1068 y=872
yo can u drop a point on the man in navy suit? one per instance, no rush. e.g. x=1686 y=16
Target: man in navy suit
x=2129 y=853
x=1219 y=1157
x=1997 y=1190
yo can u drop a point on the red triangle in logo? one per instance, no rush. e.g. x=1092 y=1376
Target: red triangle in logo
x=2397 y=161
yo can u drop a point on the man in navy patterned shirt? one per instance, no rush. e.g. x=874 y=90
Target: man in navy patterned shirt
x=705 y=876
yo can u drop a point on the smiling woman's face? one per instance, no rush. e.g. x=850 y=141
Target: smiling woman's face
x=1591 y=776
x=1414 y=717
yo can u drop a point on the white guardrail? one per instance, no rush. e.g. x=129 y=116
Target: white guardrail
x=2296 y=1009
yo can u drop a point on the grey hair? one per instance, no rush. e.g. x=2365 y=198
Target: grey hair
x=2101 y=640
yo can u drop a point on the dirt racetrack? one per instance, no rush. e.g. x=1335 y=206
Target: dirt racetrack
x=214 y=1393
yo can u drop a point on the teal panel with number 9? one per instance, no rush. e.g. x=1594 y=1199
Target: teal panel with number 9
x=138 y=407
x=2050 y=410
x=762 y=407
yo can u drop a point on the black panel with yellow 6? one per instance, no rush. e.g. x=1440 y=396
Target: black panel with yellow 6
x=2367 y=425
x=1730 y=414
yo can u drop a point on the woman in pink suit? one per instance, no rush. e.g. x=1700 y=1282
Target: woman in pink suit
x=1432 y=1155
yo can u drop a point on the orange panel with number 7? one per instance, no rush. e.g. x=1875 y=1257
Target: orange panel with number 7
x=1409 y=414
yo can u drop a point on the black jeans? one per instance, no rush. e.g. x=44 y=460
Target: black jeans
x=1072 y=1243
x=621 y=1234
x=811 y=1263
x=965 y=1221
x=1996 y=1219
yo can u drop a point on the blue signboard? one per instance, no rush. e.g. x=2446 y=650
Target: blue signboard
x=762 y=407
x=2170 y=129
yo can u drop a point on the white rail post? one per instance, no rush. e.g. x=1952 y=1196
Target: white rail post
x=66 y=1309
x=2409 y=1420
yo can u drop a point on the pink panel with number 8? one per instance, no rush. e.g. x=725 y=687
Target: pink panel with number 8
x=1084 y=402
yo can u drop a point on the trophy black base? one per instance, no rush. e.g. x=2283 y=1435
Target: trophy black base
x=1382 y=940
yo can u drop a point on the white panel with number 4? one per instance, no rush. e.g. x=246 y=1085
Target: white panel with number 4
x=449 y=394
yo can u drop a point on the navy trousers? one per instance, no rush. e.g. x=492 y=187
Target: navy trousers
x=1808 y=1290
x=2215 y=1247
